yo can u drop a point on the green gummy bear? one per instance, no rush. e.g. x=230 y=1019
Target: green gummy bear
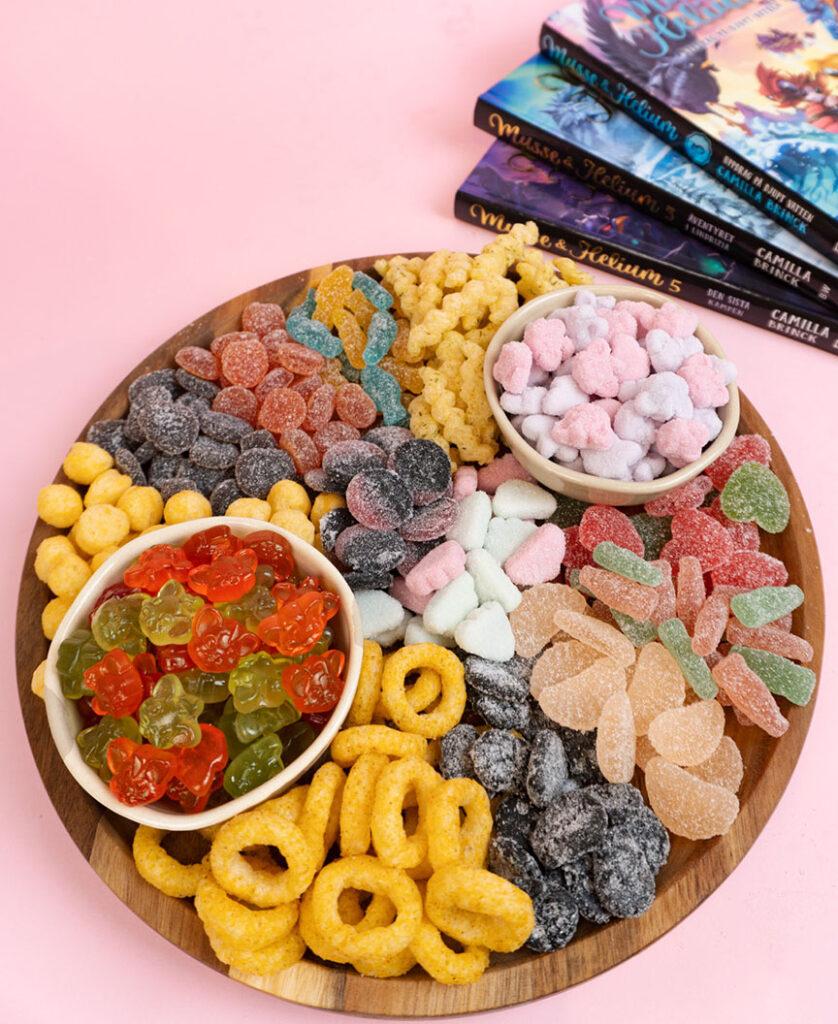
x=116 y=623
x=654 y=531
x=254 y=765
x=783 y=677
x=296 y=738
x=76 y=654
x=626 y=563
x=169 y=717
x=373 y=292
x=167 y=618
x=385 y=391
x=257 y=604
x=754 y=493
x=227 y=724
x=249 y=726
x=93 y=742
x=640 y=633
x=256 y=682
x=568 y=512
x=210 y=687
x=765 y=604
x=675 y=638
x=381 y=334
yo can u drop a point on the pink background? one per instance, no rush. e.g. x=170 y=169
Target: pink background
x=162 y=157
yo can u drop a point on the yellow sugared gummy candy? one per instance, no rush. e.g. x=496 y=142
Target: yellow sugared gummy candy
x=250 y=508
x=59 y=505
x=323 y=503
x=49 y=553
x=186 y=505
x=84 y=462
x=288 y=494
x=143 y=506
x=294 y=522
x=101 y=526
x=68 y=576
x=54 y=611
x=107 y=488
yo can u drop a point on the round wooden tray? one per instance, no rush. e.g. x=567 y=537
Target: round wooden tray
x=693 y=871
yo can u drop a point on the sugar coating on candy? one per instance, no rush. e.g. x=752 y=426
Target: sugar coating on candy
x=556 y=919
x=258 y=469
x=748 y=693
x=705 y=381
x=508 y=858
x=615 y=741
x=547 y=768
x=532 y=621
x=155 y=378
x=389 y=438
x=221 y=427
x=496 y=679
x=569 y=827
x=415 y=632
x=688 y=495
x=344 y=459
x=172 y=428
x=438 y=567
x=584 y=426
x=198 y=361
x=688 y=806
x=423 y=466
x=512 y=366
x=618 y=592
x=223 y=495
x=501 y=714
x=491 y=582
x=473 y=518
x=639 y=632
x=753 y=493
x=676 y=639
x=507 y=467
x=690 y=593
x=723 y=767
x=505 y=536
x=450 y=605
x=302 y=450
x=765 y=604
x=604 y=523
x=212 y=454
x=606 y=639
x=771 y=639
x=513 y=815
x=262 y=317
x=126 y=462
x=414 y=553
x=376 y=551
x=680 y=440
x=539 y=558
x=380 y=613
x=578 y=878
x=486 y=631
x=709 y=626
x=386 y=392
x=742 y=449
x=623 y=881
x=354 y=406
x=332 y=525
x=688 y=735
x=237 y=401
x=431 y=521
x=750 y=570
x=333 y=433
x=379 y=499
x=107 y=434
x=699 y=534
x=577 y=701
x=499 y=759
x=626 y=563
x=568 y=512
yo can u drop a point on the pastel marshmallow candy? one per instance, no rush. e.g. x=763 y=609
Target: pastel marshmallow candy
x=523 y=500
x=449 y=606
x=512 y=367
x=415 y=633
x=668 y=353
x=680 y=441
x=548 y=342
x=663 y=397
x=490 y=477
x=611 y=405
x=643 y=313
x=630 y=425
x=405 y=596
x=469 y=531
x=441 y=565
x=491 y=582
x=526 y=403
x=593 y=370
x=585 y=426
x=726 y=368
x=616 y=463
x=465 y=482
x=705 y=382
x=711 y=419
x=505 y=536
x=487 y=633
x=539 y=558
x=380 y=613
x=650 y=467
x=389 y=637
x=563 y=394
x=584 y=326
x=675 y=320
x=629 y=360
x=618 y=320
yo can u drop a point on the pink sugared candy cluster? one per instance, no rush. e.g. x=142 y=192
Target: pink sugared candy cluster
x=622 y=390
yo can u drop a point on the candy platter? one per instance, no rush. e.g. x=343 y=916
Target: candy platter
x=693 y=870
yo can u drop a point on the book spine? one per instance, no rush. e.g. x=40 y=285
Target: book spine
x=763 y=190
x=738 y=303
x=744 y=247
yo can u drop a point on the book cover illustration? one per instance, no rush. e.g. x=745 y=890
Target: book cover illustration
x=758 y=76
x=600 y=230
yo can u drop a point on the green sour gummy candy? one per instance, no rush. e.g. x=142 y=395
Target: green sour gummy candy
x=765 y=604
x=675 y=638
x=754 y=493
x=781 y=676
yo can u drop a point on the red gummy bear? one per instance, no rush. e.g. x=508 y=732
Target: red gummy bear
x=316 y=684
x=217 y=643
x=274 y=550
x=288 y=590
x=198 y=766
x=141 y=772
x=156 y=566
x=174 y=658
x=116 y=683
x=202 y=547
x=297 y=625
x=227 y=577
x=146 y=665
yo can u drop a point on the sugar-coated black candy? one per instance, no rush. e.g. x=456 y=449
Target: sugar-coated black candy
x=423 y=466
x=500 y=713
x=369 y=580
x=197 y=404
x=571 y=825
x=211 y=454
x=163 y=467
x=496 y=678
x=616 y=798
x=509 y=858
x=580 y=748
x=205 y=480
x=623 y=881
x=514 y=817
x=145 y=453
x=134 y=429
x=223 y=495
x=379 y=499
x=431 y=521
x=568 y=512
x=415 y=551
x=499 y=758
x=454 y=755
x=174 y=485
x=108 y=434
x=375 y=551
x=645 y=828
x=258 y=439
x=556 y=918
x=578 y=879
x=156 y=394
x=222 y=427
x=388 y=438
x=332 y=525
x=546 y=768
x=258 y=469
x=126 y=462
x=196 y=385
x=342 y=461
x=173 y=428
x=155 y=378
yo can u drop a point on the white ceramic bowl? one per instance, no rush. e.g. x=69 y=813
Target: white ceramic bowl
x=65 y=721
x=597 y=489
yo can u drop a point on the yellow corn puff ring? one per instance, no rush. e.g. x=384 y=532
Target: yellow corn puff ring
x=160 y=868
x=320 y=818
x=478 y=908
x=389 y=836
x=448 y=839
x=442 y=963
x=239 y=926
x=379 y=913
x=369 y=685
x=263 y=884
x=369 y=875
x=420 y=695
x=357 y=804
x=387 y=966
x=452 y=702
x=289 y=805
x=275 y=957
x=350 y=743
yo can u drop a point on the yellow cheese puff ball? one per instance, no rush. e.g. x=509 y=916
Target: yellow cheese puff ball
x=289 y=494
x=100 y=526
x=142 y=505
x=39 y=678
x=107 y=487
x=59 y=505
x=68 y=577
x=102 y=556
x=186 y=505
x=54 y=611
x=84 y=462
x=295 y=522
x=49 y=553
x=250 y=508
x=324 y=503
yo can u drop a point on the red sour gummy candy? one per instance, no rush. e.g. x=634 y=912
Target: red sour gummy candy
x=217 y=643
x=354 y=406
x=742 y=449
x=237 y=401
x=218 y=344
x=244 y=362
x=282 y=409
x=116 y=683
x=334 y=433
x=302 y=450
x=688 y=495
x=157 y=565
x=298 y=358
x=263 y=317
x=602 y=522
x=307 y=386
x=200 y=362
x=141 y=772
x=576 y=556
x=751 y=569
x=699 y=534
x=320 y=408
x=316 y=684
x=273 y=379
x=226 y=577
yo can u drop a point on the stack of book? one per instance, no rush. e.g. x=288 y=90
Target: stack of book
x=691 y=147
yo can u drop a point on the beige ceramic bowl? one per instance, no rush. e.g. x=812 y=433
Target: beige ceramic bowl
x=65 y=721
x=596 y=489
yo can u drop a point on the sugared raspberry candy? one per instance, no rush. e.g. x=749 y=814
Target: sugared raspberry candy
x=701 y=535
x=675 y=320
x=262 y=317
x=576 y=555
x=706 y=385
x=643 y=313
x=512 y=367
x=602 y=522
x=688 y=495
x=548 y=342
x=584 y=426
x=629 y=360
x=751 y=569
x=244 y=362
x=680 y=441
x=593 y=372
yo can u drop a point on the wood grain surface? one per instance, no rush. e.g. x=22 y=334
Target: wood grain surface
x=692 y=872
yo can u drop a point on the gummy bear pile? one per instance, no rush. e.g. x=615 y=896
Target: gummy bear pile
x=209 y=665
x=551 y=692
